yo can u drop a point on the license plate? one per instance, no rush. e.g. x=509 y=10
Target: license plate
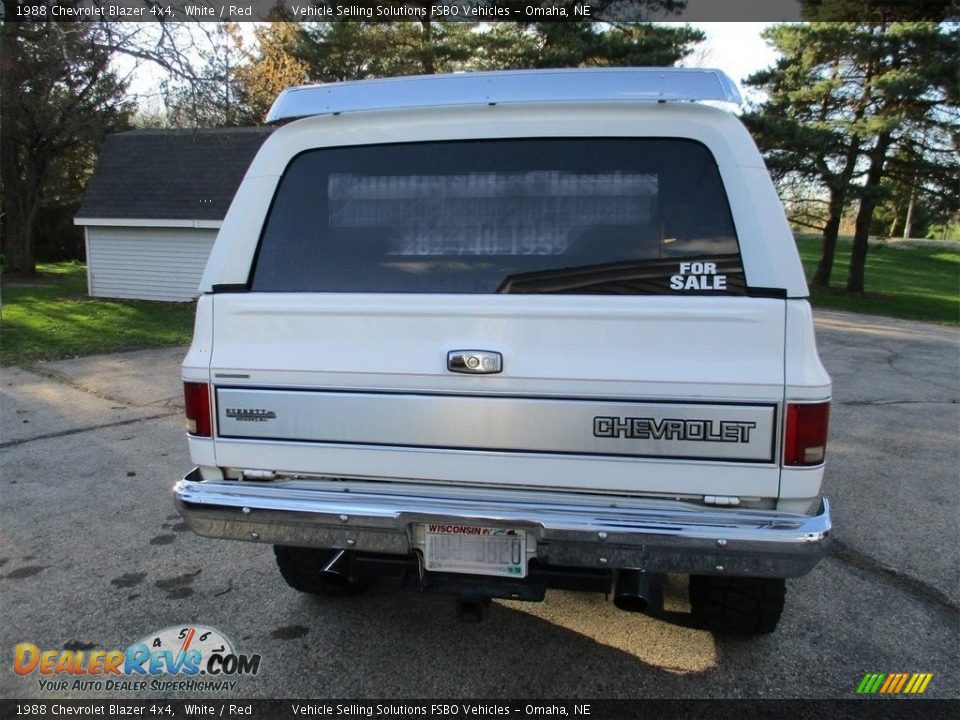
x=476 y=550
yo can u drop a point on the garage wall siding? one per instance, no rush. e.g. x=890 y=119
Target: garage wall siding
x=147 y=263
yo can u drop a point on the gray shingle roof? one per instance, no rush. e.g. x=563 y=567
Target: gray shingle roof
x=170 y=174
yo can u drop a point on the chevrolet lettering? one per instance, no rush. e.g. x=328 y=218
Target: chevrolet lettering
x=652 y=429
x=495 y=333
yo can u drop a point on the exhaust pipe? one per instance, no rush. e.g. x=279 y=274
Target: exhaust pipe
x=637 y=591
x=337 y=570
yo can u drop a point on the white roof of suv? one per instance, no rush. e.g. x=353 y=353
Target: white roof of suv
x=524 y=86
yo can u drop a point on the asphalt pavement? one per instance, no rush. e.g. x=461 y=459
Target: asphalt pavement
x=93 y=556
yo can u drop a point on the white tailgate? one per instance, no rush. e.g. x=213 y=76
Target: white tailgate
x=651 y=394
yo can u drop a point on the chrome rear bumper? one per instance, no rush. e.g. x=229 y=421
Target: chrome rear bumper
x=570 y=530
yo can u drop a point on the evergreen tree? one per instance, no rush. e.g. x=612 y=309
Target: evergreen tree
x=842 y=98
x=353 y=50
x=913 y=82
x=585 y=44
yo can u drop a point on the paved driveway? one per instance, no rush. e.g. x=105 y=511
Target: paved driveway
x=92 y=555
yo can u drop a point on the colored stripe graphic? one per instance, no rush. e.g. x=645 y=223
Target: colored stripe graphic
x=891 y=680
x=894 y=683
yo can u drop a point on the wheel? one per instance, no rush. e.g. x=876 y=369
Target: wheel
x=303 y=570
x=737 y=605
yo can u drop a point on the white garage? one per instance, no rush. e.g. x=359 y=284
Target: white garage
x=152 y=209
x=152 y=262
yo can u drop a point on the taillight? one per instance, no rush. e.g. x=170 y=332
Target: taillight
x=805 y=440
x=197 y=404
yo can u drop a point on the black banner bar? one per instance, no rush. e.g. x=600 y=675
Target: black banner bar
x=469 y=10
x=875 y=709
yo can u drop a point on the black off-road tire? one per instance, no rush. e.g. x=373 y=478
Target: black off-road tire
x=737 y=605
x=302 y=569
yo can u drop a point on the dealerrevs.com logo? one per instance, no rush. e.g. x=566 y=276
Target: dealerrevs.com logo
x=198 y=658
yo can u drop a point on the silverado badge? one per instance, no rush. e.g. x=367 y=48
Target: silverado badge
x=251 y=414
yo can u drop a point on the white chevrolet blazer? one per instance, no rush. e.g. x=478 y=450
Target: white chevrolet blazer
x=495 y=333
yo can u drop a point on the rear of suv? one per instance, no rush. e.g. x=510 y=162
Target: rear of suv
x=495 y=333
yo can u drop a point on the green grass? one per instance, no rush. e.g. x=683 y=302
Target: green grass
x=51 y=317
x=914 y=283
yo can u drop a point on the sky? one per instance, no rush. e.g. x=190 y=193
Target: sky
x=736 y=48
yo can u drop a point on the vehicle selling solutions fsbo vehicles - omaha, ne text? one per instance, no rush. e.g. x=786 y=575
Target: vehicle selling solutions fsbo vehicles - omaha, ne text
x=495 y=333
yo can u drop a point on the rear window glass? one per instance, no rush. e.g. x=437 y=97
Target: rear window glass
x=570 y=215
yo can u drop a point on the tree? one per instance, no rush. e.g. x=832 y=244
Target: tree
x=914 y=80
x=351 y=50
x=212 y=96
x=271 y=68
x=585 y=44
x=619 y=40
x=808 y=126
x=59 y=99
x=920 y=187
x=842 y=98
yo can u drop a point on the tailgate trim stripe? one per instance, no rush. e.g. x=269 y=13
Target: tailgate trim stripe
x=492 y=423
x=494 y=395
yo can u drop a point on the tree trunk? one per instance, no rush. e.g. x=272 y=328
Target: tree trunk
x=868 y=203
x=821 y=277
x=895 y=223
x=18 y=248
x=841 y=183
x=18 y=252
x=908 y=223
x=426 y=27
x=838 y=198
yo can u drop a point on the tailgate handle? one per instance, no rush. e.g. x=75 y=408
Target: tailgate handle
x=477 y=362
